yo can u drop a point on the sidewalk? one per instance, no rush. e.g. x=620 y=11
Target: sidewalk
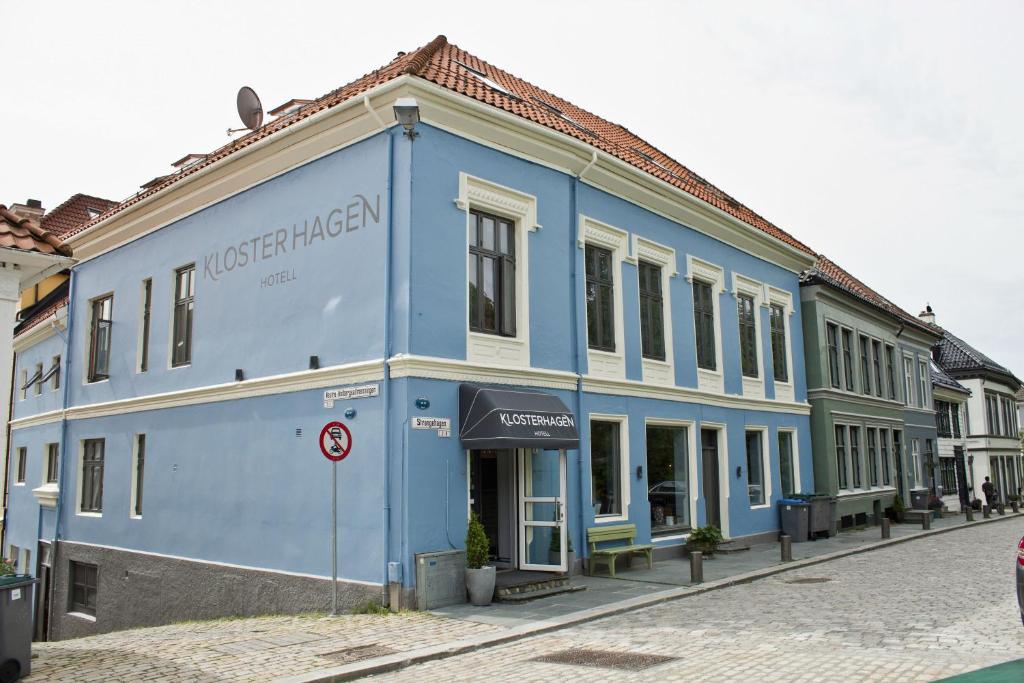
x=321 y=648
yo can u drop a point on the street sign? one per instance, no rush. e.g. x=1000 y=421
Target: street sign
x=432 y=423
x=335 y=441
x=348 y=393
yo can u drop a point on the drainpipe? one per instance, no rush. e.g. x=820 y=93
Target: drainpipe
x=577 y=337
x=386 y=388
x=62 y=466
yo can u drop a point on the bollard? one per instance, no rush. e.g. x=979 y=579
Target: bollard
x=970 y=513
x=696 y=567
x=886 y=528
x=986 y=511
x=787 y=548
x=1001 y=507
x=926 y=521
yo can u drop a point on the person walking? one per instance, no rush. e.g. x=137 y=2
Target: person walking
x=989 y=489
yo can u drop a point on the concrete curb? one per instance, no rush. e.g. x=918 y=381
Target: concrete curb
x=395 y=662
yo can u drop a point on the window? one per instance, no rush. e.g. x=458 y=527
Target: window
x=52 y=462
x=865 y=367
x=748 y=335
x=19 y=472
x=855 y=455
x=841 y=456
x=23 y=383
x=908 y=381
x=890 y=370
x=52 y=375
x=780 y=366
x=831 y=332
x=92 y=475
x=39 y=379
x=668 y=478
x=28 y=382
x=927 y=463
x=600 y=303
x=954 y=413
x=848 y=358
x=606 y=467
x=942 y=419
x=82 y=596
x=704 y=324
x=99 y=338
x=147 y=306
x=786 y=468
x=883 y=442
x=755 y=469
x=652 y=321
x=492 y=275
x=876 y=360
x=915 y=461
x=139 y=466
x=992 y=413
x=184 y=295
x=923 y=380
x=897 y=452
x=872 y=456
x=947 y=472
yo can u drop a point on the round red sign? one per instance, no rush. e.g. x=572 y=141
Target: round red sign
x=335 y=441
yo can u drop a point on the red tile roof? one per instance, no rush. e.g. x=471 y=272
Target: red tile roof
x=447 y=65
x=38 y=316
x=74 y=212
x=828 y=271
x=19 y=232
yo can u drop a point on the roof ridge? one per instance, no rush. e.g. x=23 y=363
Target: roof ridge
x=421 y=57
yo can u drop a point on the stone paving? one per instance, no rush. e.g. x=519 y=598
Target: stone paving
x=257 y=649
x=916 y=611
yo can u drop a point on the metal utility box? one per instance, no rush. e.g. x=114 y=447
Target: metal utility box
x=919 y=499
x=795 y=519
x=824 y=509
x=440 y=579
x=15 y=627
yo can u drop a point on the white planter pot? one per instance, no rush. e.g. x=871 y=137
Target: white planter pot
x=480 y=584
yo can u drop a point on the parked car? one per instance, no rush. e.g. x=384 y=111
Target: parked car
x=1020 y=578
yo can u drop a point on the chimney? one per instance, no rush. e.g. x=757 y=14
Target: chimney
x=32 y=208
x=927 y=315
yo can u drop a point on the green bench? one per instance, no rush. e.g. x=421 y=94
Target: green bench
x=616 y=533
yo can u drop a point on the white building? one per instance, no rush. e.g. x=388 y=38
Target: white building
x=953 y=480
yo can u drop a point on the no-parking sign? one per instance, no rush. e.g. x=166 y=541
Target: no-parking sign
x=335 y=441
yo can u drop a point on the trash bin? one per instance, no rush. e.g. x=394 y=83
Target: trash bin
x=823 y=513
x=15 y=627
x=795 y=519
x=919 y=499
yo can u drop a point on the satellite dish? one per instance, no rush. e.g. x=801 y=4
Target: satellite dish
x=249 y=108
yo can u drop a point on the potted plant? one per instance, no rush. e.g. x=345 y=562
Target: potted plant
x=6 y=567
x=705 y=539
x=898 y=509
x=479 y=576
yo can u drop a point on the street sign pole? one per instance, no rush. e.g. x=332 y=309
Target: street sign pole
x=334 y=537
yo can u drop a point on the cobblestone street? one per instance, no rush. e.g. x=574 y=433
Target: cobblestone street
x=917 y=611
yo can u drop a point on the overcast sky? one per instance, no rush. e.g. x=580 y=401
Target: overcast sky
x=885 y=135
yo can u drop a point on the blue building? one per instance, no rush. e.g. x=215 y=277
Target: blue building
x=633 y=331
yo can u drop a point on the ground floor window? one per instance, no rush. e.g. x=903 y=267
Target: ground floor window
x=668 y=461
x=83 y=588
x=786 y=468
x=883 y=442
x=755 y=469
x=916 y=476
x=606 y=467
x=872 y=457
x=855 y=455
x=841 y=456
x=947 y=472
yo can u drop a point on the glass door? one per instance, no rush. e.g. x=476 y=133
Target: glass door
x=542 y=534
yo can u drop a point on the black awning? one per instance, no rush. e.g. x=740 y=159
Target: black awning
x=514 y=418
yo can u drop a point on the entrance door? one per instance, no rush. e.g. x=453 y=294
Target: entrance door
x=42 y=619
x=961 y=476
x=542 y=537
x=491 y=497
x=709 y=472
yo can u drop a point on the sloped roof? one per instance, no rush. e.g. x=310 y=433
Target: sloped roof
x=957 y=357
x=19 y=232
x=33 y=315
x=448 y=66
x=940 y=378
x=74 y=212
x=827 y=271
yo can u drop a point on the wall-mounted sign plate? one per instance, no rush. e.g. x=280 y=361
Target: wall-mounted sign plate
x=348 y=393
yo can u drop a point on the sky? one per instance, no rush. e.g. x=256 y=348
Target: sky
x=887 y=136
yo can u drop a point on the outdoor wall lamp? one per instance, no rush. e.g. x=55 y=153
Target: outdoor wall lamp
x=407 y=111
x=239 y=374
x=422 y=403
x=739 y=471
x=314 y=362
x=639 y=472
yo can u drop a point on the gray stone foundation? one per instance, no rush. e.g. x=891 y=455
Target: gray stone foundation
x=135 y=589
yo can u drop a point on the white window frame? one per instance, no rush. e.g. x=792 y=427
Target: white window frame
x=172 y=303
x=794 y=453
x=38 y=386
x=908 y=379
x=697 y=269
x=847 y=458
x=624 y=466
x=659 y=371
x=79 y=472
x=521 y=209
x=20 y=473
x=608 y=364
x=923 y=381
x=134 y=481
x=784 y=391
x=691 y=466
x=766 y=472
x=141 y=335
x=22 y=381
x=915 y=458
x=741 y=284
